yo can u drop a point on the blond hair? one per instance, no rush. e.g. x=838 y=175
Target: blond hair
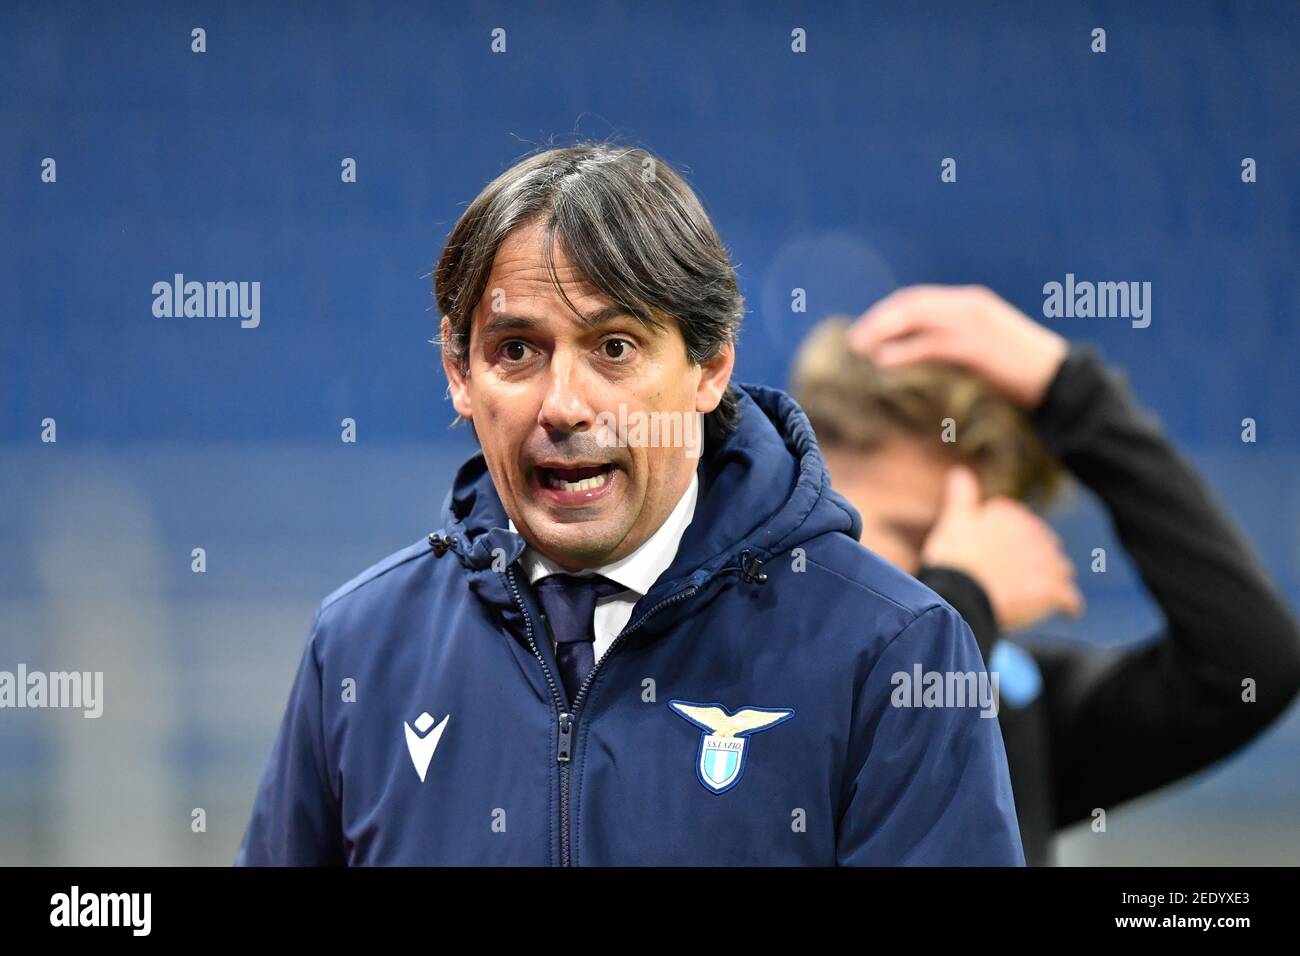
x=854 y=405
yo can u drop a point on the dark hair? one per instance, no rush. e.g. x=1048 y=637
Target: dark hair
x=630 y=225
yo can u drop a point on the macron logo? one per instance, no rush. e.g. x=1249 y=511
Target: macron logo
x=423 y=744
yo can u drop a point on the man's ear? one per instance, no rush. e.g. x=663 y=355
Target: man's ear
x=715 y=374
x=456 y=378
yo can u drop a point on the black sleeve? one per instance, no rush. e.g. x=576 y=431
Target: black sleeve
x=968 y=599
x=1124 y=723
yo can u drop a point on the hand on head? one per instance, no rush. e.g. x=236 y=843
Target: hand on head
x=1014 y=555
x=968 y=326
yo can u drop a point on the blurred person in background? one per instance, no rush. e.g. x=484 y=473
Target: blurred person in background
x=946 y=416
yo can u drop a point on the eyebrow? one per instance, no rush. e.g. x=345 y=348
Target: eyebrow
x=909 y=526
x=507 y=322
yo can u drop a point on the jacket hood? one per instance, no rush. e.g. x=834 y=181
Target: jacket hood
x=764 y=489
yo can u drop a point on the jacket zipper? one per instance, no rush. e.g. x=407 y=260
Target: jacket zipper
x=566 y=725
x=564 y=750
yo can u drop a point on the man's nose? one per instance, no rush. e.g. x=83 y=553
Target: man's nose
x=565 y=407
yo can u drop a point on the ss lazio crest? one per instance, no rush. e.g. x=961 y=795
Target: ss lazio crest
x=721 y=758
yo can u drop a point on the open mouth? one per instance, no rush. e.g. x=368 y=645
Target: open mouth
x=585 y=478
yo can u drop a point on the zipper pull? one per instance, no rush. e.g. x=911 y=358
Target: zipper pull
x=566 y=739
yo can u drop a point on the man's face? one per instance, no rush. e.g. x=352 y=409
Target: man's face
x=898 y=488
x=538 y=377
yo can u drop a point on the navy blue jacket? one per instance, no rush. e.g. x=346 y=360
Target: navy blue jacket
x=749 y=713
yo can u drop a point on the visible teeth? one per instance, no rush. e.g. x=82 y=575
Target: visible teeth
x=585 y=484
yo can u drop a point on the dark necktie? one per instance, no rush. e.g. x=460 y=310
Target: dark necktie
x=569 y=602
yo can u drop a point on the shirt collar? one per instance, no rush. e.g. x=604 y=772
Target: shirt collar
x=639 y=570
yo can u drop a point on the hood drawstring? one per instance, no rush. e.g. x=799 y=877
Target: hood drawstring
x=439 y=544
x=749 y=568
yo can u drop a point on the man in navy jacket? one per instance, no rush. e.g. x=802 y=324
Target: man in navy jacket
x=645 y=632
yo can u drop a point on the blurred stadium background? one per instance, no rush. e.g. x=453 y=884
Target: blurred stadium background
x=822 y=173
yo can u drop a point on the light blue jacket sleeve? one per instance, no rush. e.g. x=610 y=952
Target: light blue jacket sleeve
x=932 y=788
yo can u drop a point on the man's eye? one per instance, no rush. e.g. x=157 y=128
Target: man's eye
x=616 y=348
x=514 y=350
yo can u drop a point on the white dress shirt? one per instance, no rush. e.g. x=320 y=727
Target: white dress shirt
x=636 y=572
